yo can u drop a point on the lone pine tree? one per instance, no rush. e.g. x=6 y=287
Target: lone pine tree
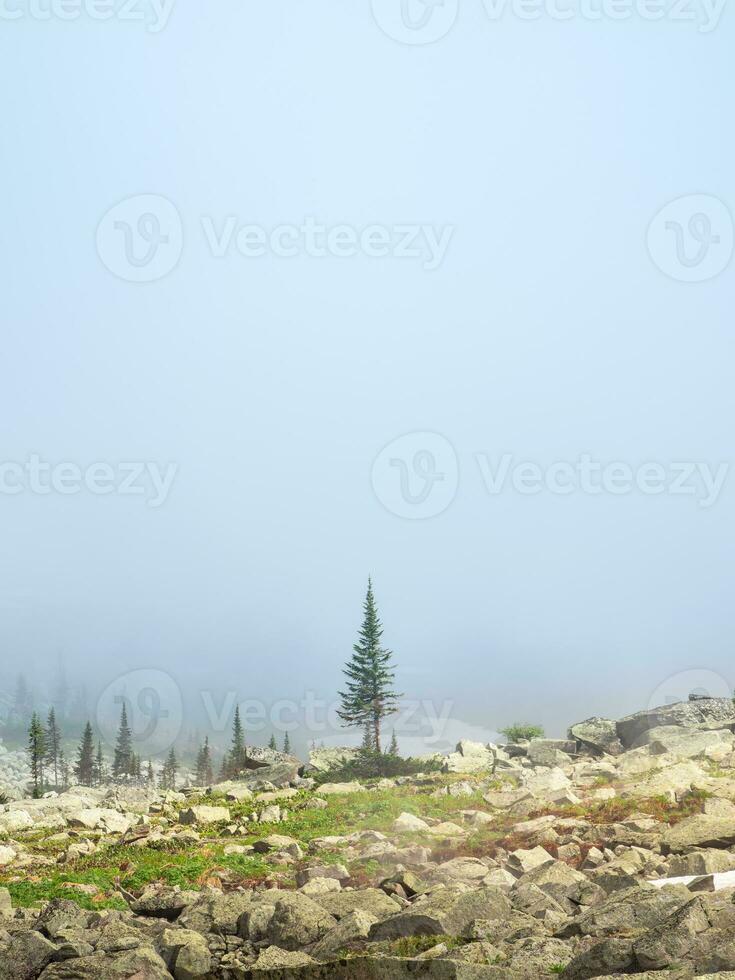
x=369 y=695
x=169 y=771
x=204 y=772
x=99 y=774
x=36 y=753
x=84 y=768
x=123 y=761
x=53 y=745
x=237 y=758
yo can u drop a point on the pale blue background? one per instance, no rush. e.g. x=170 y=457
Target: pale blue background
x=273 y=383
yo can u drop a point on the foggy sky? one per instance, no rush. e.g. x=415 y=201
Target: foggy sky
x=272 y=384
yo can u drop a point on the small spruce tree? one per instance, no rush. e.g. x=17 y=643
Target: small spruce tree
x=53 y=745
x=169 y=771
x=287 y=744
x=85 y=764
x=36 y=753
x=204 y=774
x=64 y=771
x=238 y=757
x=100 y=774
x=393 y=747
x=123 y=760
x=272 y=744
x=369 y=695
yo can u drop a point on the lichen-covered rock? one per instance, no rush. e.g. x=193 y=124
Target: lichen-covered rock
x=597 y=735
x=204 y=815
x=685 y=714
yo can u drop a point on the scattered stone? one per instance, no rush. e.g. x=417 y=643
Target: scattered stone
x=197 y=815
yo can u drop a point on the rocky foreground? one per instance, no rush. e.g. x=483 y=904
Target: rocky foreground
x=610 y=853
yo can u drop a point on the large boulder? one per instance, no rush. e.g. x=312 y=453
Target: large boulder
x=297 y=921
x=15 y=820
x=326 y=759
x=371 y=900
x=685 y=714
x=25 y=956
x=447 y=911
x=470 y=757
x=628 y=911
x=687 y=743
x=700 y=936
x=550 y=752
x=701 y=830
x=597 y=735
x=143 y=963
x=204 y=815
x=258 y=757
x=217 y=912
x=350 y=930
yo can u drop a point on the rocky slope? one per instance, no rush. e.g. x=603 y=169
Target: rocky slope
x=607 y=854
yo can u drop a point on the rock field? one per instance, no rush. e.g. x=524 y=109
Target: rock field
x=606 y=854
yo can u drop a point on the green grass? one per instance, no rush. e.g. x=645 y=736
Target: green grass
x=411 y=946
x=174 y=863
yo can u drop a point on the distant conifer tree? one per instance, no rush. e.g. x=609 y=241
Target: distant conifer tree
x=369 y=695
x=36 y=753
x=123 y=761
x=100 y=773
x=53 y=745
x=85 y=764
x=64 y=770
x=169 y=771
x=238 y=757
x=204 y=773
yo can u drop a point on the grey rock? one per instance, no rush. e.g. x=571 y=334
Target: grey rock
x=371 y=900
x=686 y=714
x=163 y=902
x=701 y=830
x=349 y=931
x=597 y=735
x=608 y=957
x=26 y=956
x=138 y=964
x=215 y=912
x=446 y=911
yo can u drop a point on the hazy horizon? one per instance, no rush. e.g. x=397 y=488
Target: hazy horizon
x=289 y=302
